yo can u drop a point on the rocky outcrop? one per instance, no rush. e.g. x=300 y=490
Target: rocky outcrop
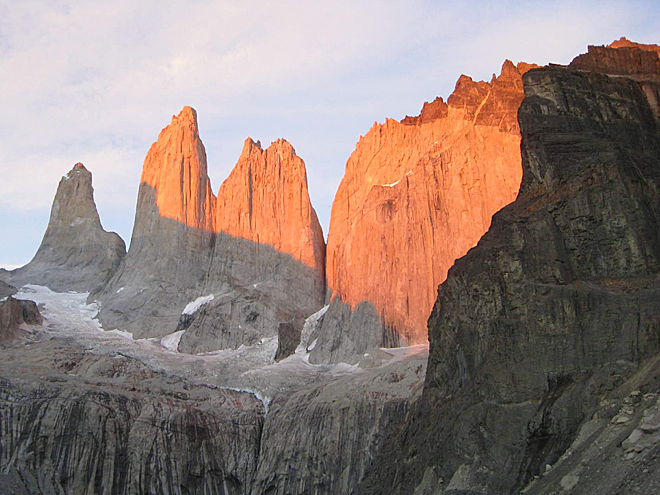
x=265 y=187
x=254 y=254
x=83 y=411
x=14 y=314
x=633 y=60
x=75 y=253
x=556 y=306
x=108 y=425
x=416 y=195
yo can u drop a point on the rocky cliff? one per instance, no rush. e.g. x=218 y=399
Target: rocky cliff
x=265 y=187
x=75 y=253
x=416 y=195
x=556 y=311
x=83 y=411
x=110 y=425
x=254 y=255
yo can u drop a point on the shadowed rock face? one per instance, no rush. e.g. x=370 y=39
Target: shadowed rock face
x=75 y=253
x=559 y=302
x=258 y=248
x=416 y=195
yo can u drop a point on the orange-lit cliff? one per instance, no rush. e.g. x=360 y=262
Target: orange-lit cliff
x=265 y=200
x=419 y=193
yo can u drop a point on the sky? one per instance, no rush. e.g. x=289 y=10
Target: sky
x=96 y=81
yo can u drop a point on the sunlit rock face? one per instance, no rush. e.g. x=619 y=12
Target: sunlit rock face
x=629 y=59
x=258 y=247
x=416 y=195
x=556 y=311
x=175 y=168
x=75 y=253
x=265 y=200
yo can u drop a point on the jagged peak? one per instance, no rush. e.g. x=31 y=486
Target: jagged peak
x=187 y=114
x=250 y=144
x=77 y=170
x=523 y=67
x=431 y=111
x=282 y=145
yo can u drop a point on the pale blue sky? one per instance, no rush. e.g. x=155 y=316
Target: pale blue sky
x=96 y=82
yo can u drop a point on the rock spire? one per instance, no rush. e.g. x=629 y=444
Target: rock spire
x=75 y=253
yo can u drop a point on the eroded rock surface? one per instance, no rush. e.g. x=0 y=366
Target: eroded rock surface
x=75 y=253
x=87 y=411
x=416 y=195
x=105 y=425
x=558 y=303
x=267 y=264
x=322 y=439
x=172 y=237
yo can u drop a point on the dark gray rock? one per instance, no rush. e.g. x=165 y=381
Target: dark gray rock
x=288 y=338
x=558 y=303
x=345 y=335
x=256 y=288
x=75 y=253
x=322 y=439
x=107 y=425
x=163 y=270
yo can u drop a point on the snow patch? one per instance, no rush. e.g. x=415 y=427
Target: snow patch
x=193 y=306
x=172 y=340
x=395 y=183
x=78 y=221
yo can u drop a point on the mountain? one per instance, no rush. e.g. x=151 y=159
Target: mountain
x=75 y=253
x=266 y=272
x=416 y=195
x=172 y=235
x=544 y=338
x=252 y=258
